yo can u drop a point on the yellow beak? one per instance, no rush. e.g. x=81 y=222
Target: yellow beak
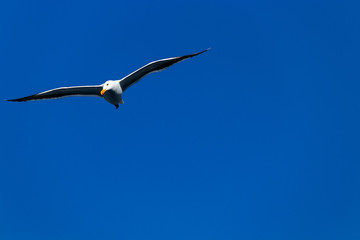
x=103 y=91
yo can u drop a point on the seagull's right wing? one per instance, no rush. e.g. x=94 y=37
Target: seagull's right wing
x=92 y=91
x=155 y=66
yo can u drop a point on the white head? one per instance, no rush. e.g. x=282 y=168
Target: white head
x=109 y=85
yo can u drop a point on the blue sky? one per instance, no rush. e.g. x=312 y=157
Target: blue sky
x=256 y=139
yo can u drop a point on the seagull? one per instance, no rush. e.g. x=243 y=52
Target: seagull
x=111 y=90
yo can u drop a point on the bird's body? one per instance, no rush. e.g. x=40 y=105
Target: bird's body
x=115 y=95
x=111 y=90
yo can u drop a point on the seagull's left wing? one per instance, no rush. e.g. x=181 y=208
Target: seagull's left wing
x=155 y=66
x=92 y=91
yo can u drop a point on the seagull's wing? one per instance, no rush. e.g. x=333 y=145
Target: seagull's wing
x=155 y=66
x=91 y=91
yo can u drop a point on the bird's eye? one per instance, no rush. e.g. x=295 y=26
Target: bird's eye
x=107 y=84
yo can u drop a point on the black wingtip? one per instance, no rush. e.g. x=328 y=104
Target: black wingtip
x=195 y=54
x=24 y=99
x=202 y=52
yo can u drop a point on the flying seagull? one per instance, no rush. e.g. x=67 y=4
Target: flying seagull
x=111 y=90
